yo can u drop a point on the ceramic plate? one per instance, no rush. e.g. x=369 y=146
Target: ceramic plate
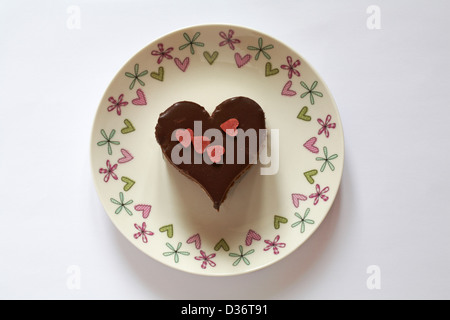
x=274 y=208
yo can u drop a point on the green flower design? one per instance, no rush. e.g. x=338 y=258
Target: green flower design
x=175 y=252
x=191 y=42
x=108 y=140
x=310 y=91
x=241 y=256
x=327 y=160
x=261 y=49
x=136 y=76
x=302 y=221
x=122 y=204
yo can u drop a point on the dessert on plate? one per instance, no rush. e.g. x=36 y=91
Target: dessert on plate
x=213 y=150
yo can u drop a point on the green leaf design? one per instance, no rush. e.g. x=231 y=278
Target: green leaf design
x=196 y=35
x=191 y=43
x=140 y=82
x=319 y=94
x=115 y=201
x=121 y=204
x=303 y=221
x=184 y=46
x=304 y=85
x=261 y=49
x=186 y=36
x=175 y=252
x=241 y=256
x=103 y=133
x=326 y=160
x=143 y=73
x=132 y=84
x=136 y=76
x=128 y=210
x=310 y=91
x=304 y=94
x=107 y=140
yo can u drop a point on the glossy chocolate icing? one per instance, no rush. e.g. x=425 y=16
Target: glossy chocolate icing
x=215 y=179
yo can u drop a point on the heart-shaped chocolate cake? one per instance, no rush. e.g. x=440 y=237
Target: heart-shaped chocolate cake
x=213 y=150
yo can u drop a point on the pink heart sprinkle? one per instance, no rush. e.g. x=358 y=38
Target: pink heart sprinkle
x=230 y=127
x=200 y=143
x=184 y=136
x=215 y=153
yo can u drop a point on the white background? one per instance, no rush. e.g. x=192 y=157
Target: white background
x=392 y=89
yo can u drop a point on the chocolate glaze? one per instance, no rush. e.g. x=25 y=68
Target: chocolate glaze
x=215 y=179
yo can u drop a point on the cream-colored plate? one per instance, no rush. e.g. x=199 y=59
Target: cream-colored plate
x=265 y=217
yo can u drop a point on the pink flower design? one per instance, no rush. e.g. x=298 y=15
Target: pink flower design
x=162 y=53
x=206 y=259
x=109 y=171
x=320 y=194
x=291 y=67
x=228 y=39
x=326 y=125
x=117 y=104
x=274 y=244
x=142 y=232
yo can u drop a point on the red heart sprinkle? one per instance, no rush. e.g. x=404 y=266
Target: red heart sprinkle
x=184 y=136
x=215 y=153
x=230 y=126
x=200 y=143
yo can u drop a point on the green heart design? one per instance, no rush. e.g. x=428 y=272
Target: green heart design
x=168 y=229
x=128 y=183
x=129 y=127
x=270 y=71
x=159 y=75
x=211 y=58
x=309 y=174
x=303 y=116
x=222 y=244
x=278 y=220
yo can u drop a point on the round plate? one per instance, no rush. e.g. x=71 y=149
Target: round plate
x=274 y=207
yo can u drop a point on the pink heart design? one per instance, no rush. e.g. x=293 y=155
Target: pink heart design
x=251 y=235
x=215 y=153
x=126 y=156
x=241 y=61
x=182 y=65
x=296 y=197
x=310 y=145
x=230 y=127
x=184 y=136
x=287 y=90
x=200 y=143
x=140 y=100
x=195 y=238
x=145 y=208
